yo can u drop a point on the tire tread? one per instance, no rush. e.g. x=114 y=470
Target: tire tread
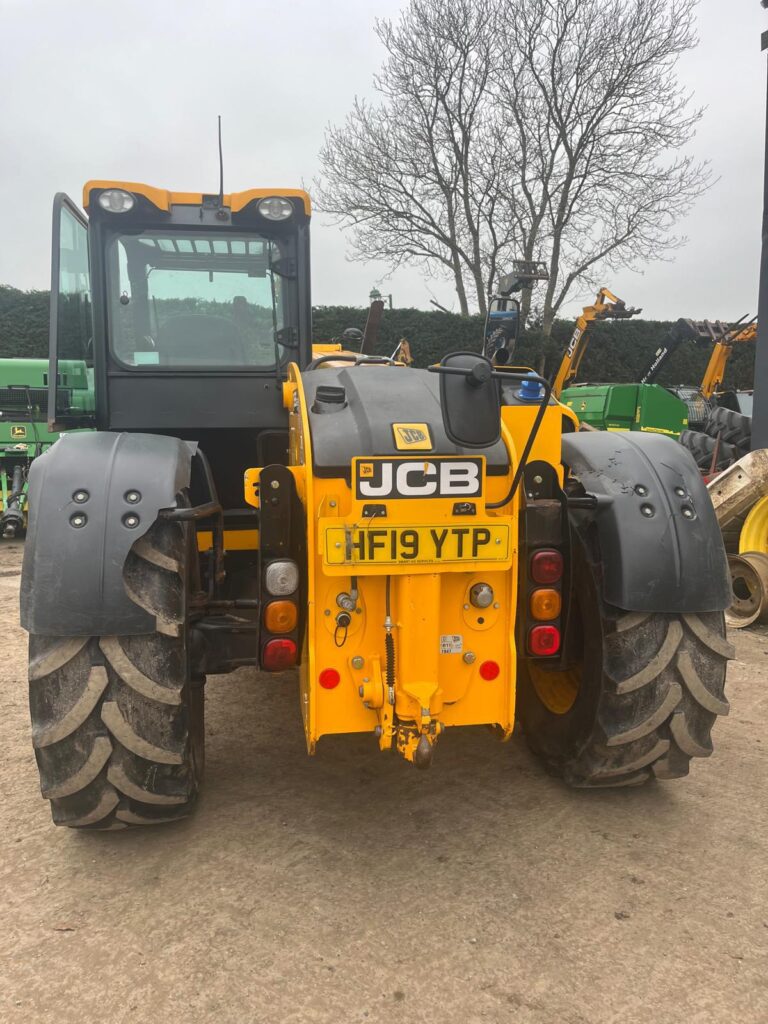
x=112 y=721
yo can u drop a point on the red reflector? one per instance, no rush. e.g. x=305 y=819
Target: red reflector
x=489 y=670
x=278 y=654
x=547 y=566
x=329 y=678
x=544 y=640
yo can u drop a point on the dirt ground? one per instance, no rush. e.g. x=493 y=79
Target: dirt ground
x=350 y=887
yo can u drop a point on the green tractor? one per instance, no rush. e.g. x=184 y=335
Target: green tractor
x=645 y=406
x=24 y=432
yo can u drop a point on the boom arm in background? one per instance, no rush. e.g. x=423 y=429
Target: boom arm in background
x=713 y=375
x=606 y=306
x=722 y=336
x=683 y=330
x=502 y=322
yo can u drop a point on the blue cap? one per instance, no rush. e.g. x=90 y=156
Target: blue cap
x=531 y=390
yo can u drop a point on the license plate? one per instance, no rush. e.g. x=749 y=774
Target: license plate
x=416 y=545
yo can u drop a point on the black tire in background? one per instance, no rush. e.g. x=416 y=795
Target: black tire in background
x=732 y=427
x=118 y=722
x=641 y=700
x=702 y=447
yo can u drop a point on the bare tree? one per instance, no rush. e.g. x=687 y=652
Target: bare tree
x=547 y=129
x=420 y=175
x=597 y=123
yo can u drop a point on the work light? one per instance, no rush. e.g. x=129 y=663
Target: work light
x=275 y=208
x=116 y=200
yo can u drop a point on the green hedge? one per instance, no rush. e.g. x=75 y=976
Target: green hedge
x=618 y=350
x=23 y=323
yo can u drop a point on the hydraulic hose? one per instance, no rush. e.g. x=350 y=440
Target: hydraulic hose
x=389 y=639
x=17 y=486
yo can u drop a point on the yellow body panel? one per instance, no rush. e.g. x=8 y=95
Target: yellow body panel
x=234 y=540
x=164 y=200
x=325 y=348
x=441 y=640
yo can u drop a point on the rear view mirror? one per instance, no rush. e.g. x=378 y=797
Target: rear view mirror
x=470 y=400
x=502 y=329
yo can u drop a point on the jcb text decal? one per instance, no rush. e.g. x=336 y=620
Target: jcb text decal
x=418 y=478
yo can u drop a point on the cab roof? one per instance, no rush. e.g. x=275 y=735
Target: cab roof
x=164 y=200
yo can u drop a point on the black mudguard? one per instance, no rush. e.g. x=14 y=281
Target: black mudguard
x=659 y=541
x=72 y=576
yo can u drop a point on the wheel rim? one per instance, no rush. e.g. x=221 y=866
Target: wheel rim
x=557 y=691
x=754 y=532
x=746 y=593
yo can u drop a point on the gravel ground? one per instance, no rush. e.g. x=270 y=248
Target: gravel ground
x=349 y=887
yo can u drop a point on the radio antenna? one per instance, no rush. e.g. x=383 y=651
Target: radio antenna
x=221 y=170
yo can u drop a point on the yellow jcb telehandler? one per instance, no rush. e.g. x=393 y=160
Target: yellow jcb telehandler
x=432 y=548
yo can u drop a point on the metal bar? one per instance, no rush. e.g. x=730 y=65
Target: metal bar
x=183 y=515
x=760 y=403
x=210 y=626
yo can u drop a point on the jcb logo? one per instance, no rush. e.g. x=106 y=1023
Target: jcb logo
x=415 y=478
x=573 y=342
x=412 y=437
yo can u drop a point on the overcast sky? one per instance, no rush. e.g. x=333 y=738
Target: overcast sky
x=131 y=90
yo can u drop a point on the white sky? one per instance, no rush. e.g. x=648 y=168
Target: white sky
x=131 y=90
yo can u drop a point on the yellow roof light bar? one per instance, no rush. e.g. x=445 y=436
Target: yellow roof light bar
x=164 y=200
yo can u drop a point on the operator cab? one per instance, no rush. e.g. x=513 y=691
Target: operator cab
x=188 y=307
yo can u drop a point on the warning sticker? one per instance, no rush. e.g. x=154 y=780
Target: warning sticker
x=451 y=643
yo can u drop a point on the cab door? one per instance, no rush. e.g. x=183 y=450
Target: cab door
x=70 y=369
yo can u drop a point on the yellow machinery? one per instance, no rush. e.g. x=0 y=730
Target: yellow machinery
x=431 y=548
x=605 y=307
x=391 y=562
x=714 y=374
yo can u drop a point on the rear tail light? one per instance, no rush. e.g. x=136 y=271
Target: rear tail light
x=281 y=578
x=489 y=670
x=278 y=654
x=329 y=679
x=546 y=566
x=544 y=641
x=545 y=605
x=280 y=617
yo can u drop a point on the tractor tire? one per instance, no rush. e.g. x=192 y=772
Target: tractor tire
x=118 y=722
x=702 y=447
x=639 y=702
x=733 y=427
